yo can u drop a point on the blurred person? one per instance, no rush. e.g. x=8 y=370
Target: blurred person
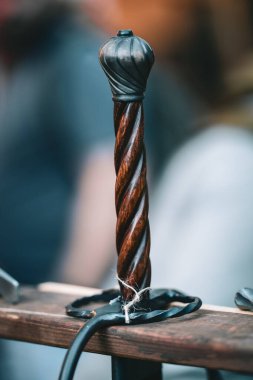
x=202 y=214
x=51 y=133
x=202 y=218
x=55 y=145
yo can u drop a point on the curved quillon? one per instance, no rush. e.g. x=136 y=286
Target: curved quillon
x=158 y=307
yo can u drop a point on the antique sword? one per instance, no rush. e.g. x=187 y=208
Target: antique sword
x=127 y=60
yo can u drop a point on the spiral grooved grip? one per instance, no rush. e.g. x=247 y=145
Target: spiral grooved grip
x=132 y=231
x=127 y=61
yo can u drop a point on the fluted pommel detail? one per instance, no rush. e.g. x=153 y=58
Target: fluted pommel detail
x=127 y=61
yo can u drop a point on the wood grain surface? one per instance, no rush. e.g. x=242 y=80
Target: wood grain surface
x=131 y=198
x=211 y=337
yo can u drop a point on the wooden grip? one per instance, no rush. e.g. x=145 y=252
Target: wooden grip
x=131 y=198
x=127 y=61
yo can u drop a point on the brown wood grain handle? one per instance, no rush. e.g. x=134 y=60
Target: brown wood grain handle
x=127 y=61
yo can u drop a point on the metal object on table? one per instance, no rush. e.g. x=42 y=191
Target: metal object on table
x=244 y=299
x=9 y=287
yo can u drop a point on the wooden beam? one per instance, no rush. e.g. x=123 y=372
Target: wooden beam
x=211 y=337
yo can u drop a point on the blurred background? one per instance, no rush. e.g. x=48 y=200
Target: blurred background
x=57 y=217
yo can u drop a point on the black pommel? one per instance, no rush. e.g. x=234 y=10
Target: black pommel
x=127 y=61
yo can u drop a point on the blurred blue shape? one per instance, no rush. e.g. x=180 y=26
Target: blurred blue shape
x=55 y=105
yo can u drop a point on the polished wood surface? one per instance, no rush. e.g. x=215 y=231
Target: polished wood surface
x=220 y=338
x=131 y=198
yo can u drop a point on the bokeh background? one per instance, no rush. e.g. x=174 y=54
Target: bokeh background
x=57 y=216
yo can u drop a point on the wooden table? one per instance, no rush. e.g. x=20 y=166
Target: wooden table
x=213 y=337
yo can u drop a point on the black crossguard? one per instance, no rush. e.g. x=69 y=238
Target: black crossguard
x=156 y=308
